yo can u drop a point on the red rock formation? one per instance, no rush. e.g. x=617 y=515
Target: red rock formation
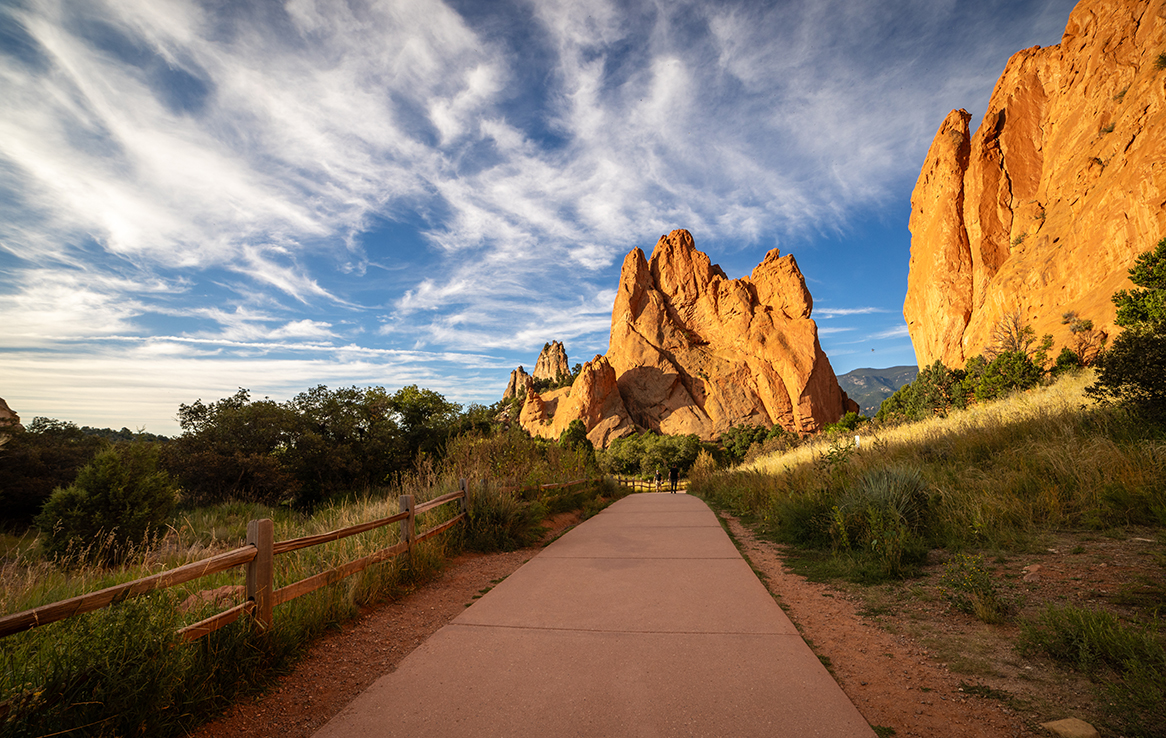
x=9 y=421
x=552 y=362
x=1044 y=209
x=692 y=351
x=696 y=352
x=593 y=398
x=518 y=385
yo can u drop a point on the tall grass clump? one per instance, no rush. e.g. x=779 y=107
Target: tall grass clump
x=884 y=515
x=1129 y=663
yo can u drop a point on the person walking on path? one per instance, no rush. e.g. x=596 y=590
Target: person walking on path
x=673 y=477
x=659 y=481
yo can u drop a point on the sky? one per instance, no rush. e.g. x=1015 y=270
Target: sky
x=198 y=196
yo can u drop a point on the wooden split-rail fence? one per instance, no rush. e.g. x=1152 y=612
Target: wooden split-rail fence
x=258 y=556
x=642 y=485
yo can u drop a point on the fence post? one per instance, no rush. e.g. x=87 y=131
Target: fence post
x=408 y=531
x=465 y=503
x=261 y=569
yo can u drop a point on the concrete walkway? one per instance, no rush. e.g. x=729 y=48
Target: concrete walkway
x=643 y=621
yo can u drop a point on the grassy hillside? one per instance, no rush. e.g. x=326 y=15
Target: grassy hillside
x=992 y=474
x=869 y=387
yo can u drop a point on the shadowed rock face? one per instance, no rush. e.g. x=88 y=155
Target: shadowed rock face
x=9 y=420
x=692 y=351
x=1044 y=209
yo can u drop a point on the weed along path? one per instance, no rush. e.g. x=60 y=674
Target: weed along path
x=643 y=621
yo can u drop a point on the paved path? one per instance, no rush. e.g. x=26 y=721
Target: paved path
x=642 y=621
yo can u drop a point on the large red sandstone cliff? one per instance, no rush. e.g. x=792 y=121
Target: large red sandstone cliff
x=1044 y=209
x=692 y=351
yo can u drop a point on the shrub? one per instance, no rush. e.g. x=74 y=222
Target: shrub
x=969 y=586
x=884 y=515
x=1133 y=372
x=1008 y=372
x=936 y=391
x=1067 y=361
x=119 y=500
x=848 y=423
x=46 y=455
x=738 y=440
x=574 y=437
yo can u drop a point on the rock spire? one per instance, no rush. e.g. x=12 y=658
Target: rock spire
x=1044 y=208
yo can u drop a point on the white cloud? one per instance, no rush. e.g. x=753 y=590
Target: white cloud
x=899 y=331
x=148 y=147
x=836 y=312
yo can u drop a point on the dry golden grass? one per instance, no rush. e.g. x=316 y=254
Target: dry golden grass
x=996 y=473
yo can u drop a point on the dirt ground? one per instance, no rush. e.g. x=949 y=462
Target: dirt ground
x=908 y=661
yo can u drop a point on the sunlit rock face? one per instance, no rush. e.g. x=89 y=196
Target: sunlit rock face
x=518 y=385
x=1044 y=209
x=692 y=351
x=552 y=362
x=593 y=398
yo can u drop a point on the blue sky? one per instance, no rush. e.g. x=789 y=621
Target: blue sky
x=201 y=196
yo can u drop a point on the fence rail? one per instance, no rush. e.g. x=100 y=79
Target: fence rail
x=258 y=555
x=641 y=485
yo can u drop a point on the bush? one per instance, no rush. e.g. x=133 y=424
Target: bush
x=969 y=586
x=848 y=423
x=118 y=501
x=46 y=455
x=935 y=391
x=1067 y=361
x=1008 y=372
x=1133 y=372
x=885 y=516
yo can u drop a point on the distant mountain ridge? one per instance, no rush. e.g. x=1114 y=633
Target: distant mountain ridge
x=869 y=387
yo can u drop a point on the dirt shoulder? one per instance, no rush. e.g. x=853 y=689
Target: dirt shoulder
x=910 y=662
x=892 y=680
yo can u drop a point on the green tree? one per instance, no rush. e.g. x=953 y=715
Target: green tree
x=1088 y=341
x=848 y=423
x=1133 y=371
x=426 y=418
x=119 y=500
x=1008 y=372
x=935 y=391
x=1067 y=361
x=232 y=449
x=575 y=436
x=46 y=455
x=645 y=453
